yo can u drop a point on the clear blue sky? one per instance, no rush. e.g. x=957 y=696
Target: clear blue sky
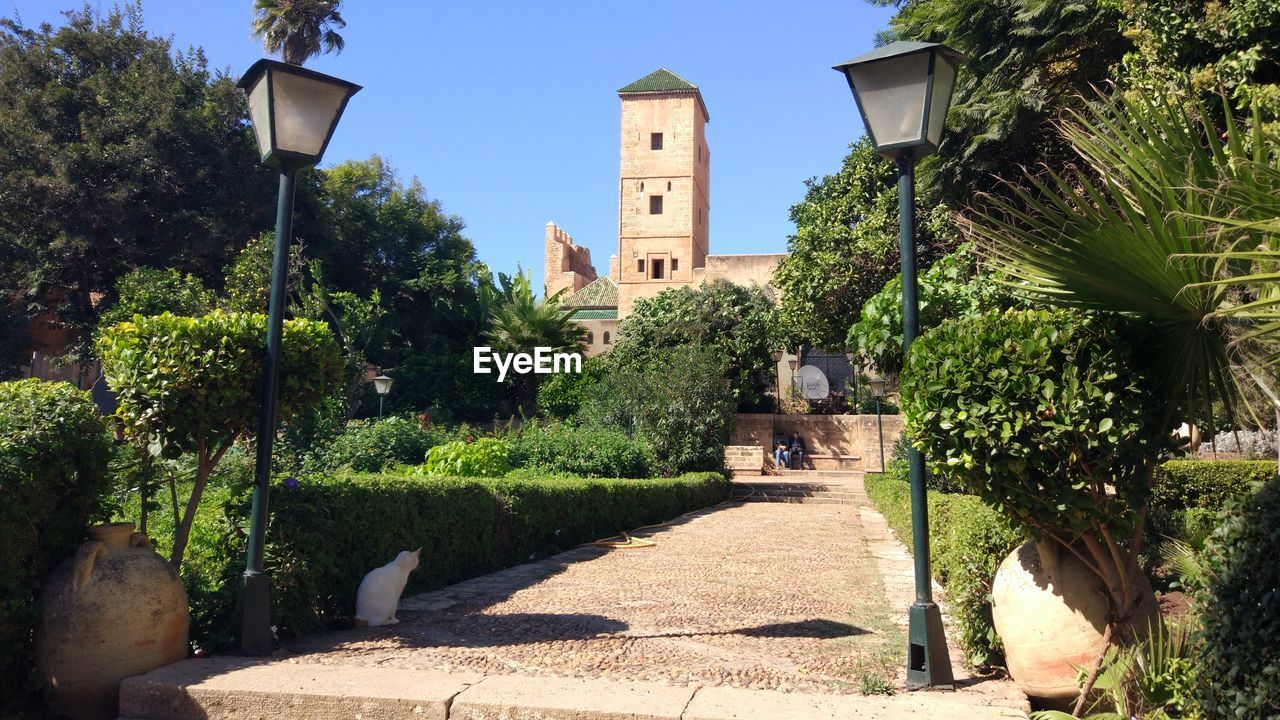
x=508 y=111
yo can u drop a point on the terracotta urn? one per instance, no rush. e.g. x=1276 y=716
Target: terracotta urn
x=1050 y=612
x=114 y=610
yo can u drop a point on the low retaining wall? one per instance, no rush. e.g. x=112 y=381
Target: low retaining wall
x=834 y=442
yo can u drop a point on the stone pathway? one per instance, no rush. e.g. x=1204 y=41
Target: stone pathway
x=764 y=596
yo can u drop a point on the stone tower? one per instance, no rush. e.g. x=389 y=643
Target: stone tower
x=663 y=193
x=565 y=266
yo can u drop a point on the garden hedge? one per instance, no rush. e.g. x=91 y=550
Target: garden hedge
x=968 y=540
x=326 y=533
x=54 y=450
x=590 y=452
x=1187 y=495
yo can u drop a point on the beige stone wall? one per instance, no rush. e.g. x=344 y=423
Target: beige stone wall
x=852 y=439
x=598 y=329
x=565 y=266
x=742 y=459
x=742 y=269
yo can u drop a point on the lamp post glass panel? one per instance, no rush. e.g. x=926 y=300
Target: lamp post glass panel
x=903 y=91
x=382 y=384
x=294 y=112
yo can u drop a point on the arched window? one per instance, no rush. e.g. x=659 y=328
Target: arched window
x=606 y=337
x=591 y=338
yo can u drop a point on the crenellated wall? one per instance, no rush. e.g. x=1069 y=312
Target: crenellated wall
x=565 y=265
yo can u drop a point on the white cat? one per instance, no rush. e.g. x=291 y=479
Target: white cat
x=379 y=592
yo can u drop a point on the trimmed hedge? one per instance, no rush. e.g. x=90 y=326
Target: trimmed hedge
x=374 y=445
x=968 y=541
x=54 y=450
x=326 y=534
x=1186 y=495
x=1239 y=671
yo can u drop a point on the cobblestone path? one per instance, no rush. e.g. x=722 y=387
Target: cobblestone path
x=757 y=595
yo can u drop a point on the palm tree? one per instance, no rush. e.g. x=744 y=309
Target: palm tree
x=298 y=29
x=520 y=322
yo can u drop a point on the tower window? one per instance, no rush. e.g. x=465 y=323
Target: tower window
x=657 y=270
x=591 y=338
x=606 y=337
x=655 y=204
x=655 y=141
x=675 y=265
x=668 y=185
x=640 y=266
x=642 y=186
x=699 y=153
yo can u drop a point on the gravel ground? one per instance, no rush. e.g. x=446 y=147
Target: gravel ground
x=758 y=595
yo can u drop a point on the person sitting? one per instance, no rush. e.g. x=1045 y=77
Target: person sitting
x=781 y=455
x=796 y=451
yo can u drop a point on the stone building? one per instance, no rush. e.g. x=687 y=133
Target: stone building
x=664 y=208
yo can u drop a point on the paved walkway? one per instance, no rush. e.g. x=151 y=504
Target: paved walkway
x=740 y=611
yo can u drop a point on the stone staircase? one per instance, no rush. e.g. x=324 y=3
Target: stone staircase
x=818 y=487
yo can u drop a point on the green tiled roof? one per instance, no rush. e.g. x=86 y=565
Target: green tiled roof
x=600 y=293
x=660 y=80
x=601 y=314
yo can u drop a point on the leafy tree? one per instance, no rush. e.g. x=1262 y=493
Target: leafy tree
x=520 y=322
x=298 y=29
x=193 y=385
x=675 y=402
x=1027 y=60
x=954 y=287
x=115 y=153
x=149 y=291
x=733 y=320
x=846 y=248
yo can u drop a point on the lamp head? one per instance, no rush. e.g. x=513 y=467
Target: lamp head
x=382 y=384
x=294 y=111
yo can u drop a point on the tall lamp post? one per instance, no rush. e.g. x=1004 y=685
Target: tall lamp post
x=877 y=391
x=854 y=370
x=294 y=112
x=776 y=357
x=382 y=384
x=903 y=91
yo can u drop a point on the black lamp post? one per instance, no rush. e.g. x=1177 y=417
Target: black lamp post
x=382 y=384
x=294 y=112
x=776 y=357
x=854 y=371
x=903 y=91
x=877 y=391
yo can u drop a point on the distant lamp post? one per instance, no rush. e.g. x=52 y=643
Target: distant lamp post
x=294 y=112
x=877 y=391
x=854 y=371
x=776 y=357
x=903 y=91
x=793 y=363
x=382 y=384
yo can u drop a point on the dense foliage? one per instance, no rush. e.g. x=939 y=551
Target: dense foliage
x=149 y=291
x=54 y=449
x=952 y=288
x=968 y=541
x=561 y=396
x=1187 y=496
x=483 y=457
x=677 y=403
x=1240 y=611
x=104 y=130
x=846 y=248
x=193 y=385
x=1052 y=418
x=521 y=322
x=734 y=320
x=585 y=451
x=375 y=445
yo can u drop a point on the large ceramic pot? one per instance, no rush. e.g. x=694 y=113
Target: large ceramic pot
x=114 y=610
x=1051 y=612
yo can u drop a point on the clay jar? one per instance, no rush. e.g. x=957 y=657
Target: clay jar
x=114 y=610
x=1051 y=612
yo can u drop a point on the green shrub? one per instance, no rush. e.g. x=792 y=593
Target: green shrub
x=54 y=450
x=561 y=395
x=1052 y=417
x=1187 y=495
x=588 y=452
x=968 y=541
x=195 y=384
x=485 y=457
x=676 y=403
x=326 y=533
x=1239 y=674
x=152 y=291
x=373 y=445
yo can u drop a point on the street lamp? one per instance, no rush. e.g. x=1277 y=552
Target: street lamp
x=854 y=371
x=877 y=391
x=903 y=91
x=382 y=384
x=294 y=112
